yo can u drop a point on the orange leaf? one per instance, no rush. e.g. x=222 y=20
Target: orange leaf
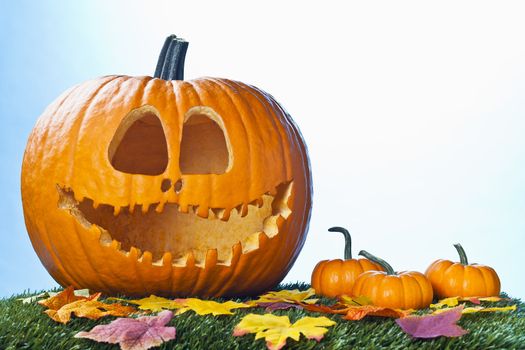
x=64 y=297
x=359 y=312
x=92 y=309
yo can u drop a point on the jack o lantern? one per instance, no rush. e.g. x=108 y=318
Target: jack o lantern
x=155 y=185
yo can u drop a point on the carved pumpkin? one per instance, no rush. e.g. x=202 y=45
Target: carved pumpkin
x=142 y=185
x=398 y=290
x=450 y=279
x=331 y=278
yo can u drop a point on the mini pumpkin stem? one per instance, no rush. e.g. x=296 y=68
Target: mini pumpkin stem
x=462 y=255
x=170 y=65
x=389 y=270
x=348 y=240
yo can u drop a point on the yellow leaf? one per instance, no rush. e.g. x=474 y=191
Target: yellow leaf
x=205 y=307
x=471 y=310
x=154 y=303
x=276 y=329
x=490 y=299
x=286 y=296
x=450 y=302
x=356 y=301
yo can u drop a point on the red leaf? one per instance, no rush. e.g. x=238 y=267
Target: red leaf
x=134 y=333
x=432 y=326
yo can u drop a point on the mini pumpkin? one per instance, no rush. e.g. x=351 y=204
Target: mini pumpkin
x=450 y=279
x=398 y=290
x=156 y=185
x=331 y=278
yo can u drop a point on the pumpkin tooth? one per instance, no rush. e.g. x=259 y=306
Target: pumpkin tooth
x=146 y=258
x=180 y=262
x=160 y=207
x=211 y=257
x=131 y=208
x=115 y=244
x=217 y=212
x=226 y=214
x=79 y=198
x=134 y=253
x=259 y=202
x=251 y=242
x=116 y=210
x=183 y=208
x=95 y=204
x=165 y=260
x=105 y=238
x=145 y=208
x=270 y=226
x=202 y=211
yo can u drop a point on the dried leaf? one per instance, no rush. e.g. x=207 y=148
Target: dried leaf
x=205 y=307
x=33 y=298
x=134 y=333
x=65 y=297
x=294 y=296
x=432 y=326
x=88 y=308
x=155 y=303
x=356 y=313
x=276 y=329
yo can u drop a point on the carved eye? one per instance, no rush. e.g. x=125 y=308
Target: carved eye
x=205 y=148
x=139 y=144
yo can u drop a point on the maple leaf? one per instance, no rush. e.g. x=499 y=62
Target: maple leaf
x=88 y=308
x=356 y=313
x=66 y=296
x=155 y=303
x=205 y=307
x=134 y=333
x=294 y=296
x=276 y=329
x=432 y=326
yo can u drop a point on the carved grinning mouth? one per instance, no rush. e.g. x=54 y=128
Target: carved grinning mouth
x=172 y=234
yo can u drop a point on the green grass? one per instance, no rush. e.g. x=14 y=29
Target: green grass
x=25 y=326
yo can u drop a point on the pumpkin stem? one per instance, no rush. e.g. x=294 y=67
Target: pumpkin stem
x=462 y=255
x=389 y=270
x=170 y=65
x=348 y=240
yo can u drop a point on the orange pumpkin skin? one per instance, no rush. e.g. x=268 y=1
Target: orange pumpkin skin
x=331 y=278
x=68 y=151
x=405 y=290
x=398 y=290
x=450 y=279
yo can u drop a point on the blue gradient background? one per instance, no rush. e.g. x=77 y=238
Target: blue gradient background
x=414 y=113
